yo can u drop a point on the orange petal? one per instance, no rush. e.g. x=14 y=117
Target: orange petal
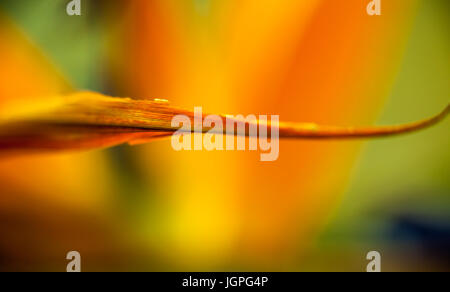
x=89 y=120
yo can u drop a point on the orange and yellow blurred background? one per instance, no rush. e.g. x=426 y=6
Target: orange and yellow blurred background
x=322 y=206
